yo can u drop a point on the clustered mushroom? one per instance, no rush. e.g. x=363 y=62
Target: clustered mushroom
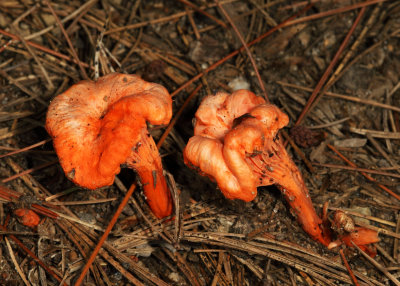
x=98 y=126
x=27 y=217
x=236 y=144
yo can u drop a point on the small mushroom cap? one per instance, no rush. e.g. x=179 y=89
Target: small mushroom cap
x=236 y=144
x=95 y=125
x=215 y=116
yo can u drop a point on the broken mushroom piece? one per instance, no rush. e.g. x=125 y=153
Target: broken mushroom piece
x=348 y=233
x=27 y=217
x=235 y=143
x=98 y=126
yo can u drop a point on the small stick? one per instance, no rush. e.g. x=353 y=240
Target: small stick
x=85 y=76
x=25 y=172
x=346 y=211
x=234 y=53
x=334 y=12
x=25 y=148
x=192 y=23
x=375 y=133
x=177 y=115
x=32 y=255
x=44 y=49
x=156 y=21
x=396 y=241
x=177 y=221
x=201 y=11
x=298 y=151
x=33 y=54
x=377 y=265
x=245 y=45
x=386 y=189
x=384 y=154
x=377 y=172
x=352 y=276
x=314 y=96
x=105 y=235
x=20 y=272
x=345 y=97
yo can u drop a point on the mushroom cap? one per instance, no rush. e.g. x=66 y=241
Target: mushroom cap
x=236 y=144
x=227 y=127
x=216 y=114
x=95 y=125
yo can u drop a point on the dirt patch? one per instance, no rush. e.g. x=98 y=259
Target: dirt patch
x=335 y=78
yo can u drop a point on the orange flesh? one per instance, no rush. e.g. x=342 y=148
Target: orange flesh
x=361 y=236
x=235 y=143
x=145 y=160
x=95 y=125
x=28 y=217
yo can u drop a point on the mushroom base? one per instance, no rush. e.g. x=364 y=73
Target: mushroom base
x=145 y=160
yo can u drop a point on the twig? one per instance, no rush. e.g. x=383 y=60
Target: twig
x=216 y=20
x=25 y=148
x=334 y=12
x=70 y=16
x=345 y=97
x=177 y=115
x=177 y=219
x=16 y=265
x=375 y=133
x=353 y=278
x=313 y=96
x=237 y=32
x=377 y=172
x=231 y=55
x=298 y=151
x=21 y=87
x=384 y=154
x=32 y=255
x=157 y=21
x=33 y=54
x=377 y=265
x=25 y=172
x=85 y=76
x=105 y=235
x=386 y=189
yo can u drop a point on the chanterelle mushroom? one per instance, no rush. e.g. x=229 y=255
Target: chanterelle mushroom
x=98 y=126
x=235 y=143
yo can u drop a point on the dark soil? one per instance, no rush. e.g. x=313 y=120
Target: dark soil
x=218 y=241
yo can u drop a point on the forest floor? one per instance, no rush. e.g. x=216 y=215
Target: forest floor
x=331 y=65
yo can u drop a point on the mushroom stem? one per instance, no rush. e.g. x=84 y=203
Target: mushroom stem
x=98 y=126
x=235 y=143
x=259 y=160
x=289 y=180
x=145 y=160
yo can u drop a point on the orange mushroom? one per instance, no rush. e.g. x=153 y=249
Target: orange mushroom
x=348 y=234
x=235 y=143
x=27 y=217
x=98 y=126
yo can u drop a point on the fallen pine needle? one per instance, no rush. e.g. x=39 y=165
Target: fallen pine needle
x=378 y=266
x=353 y=278
x=16 y=263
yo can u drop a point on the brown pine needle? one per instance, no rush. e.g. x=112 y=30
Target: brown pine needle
x=378 y=266
x=352 y=276
x=245 y=45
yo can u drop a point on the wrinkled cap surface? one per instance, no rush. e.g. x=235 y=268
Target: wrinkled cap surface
x=216 y=114
x=95 y=125
x=227 y=128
